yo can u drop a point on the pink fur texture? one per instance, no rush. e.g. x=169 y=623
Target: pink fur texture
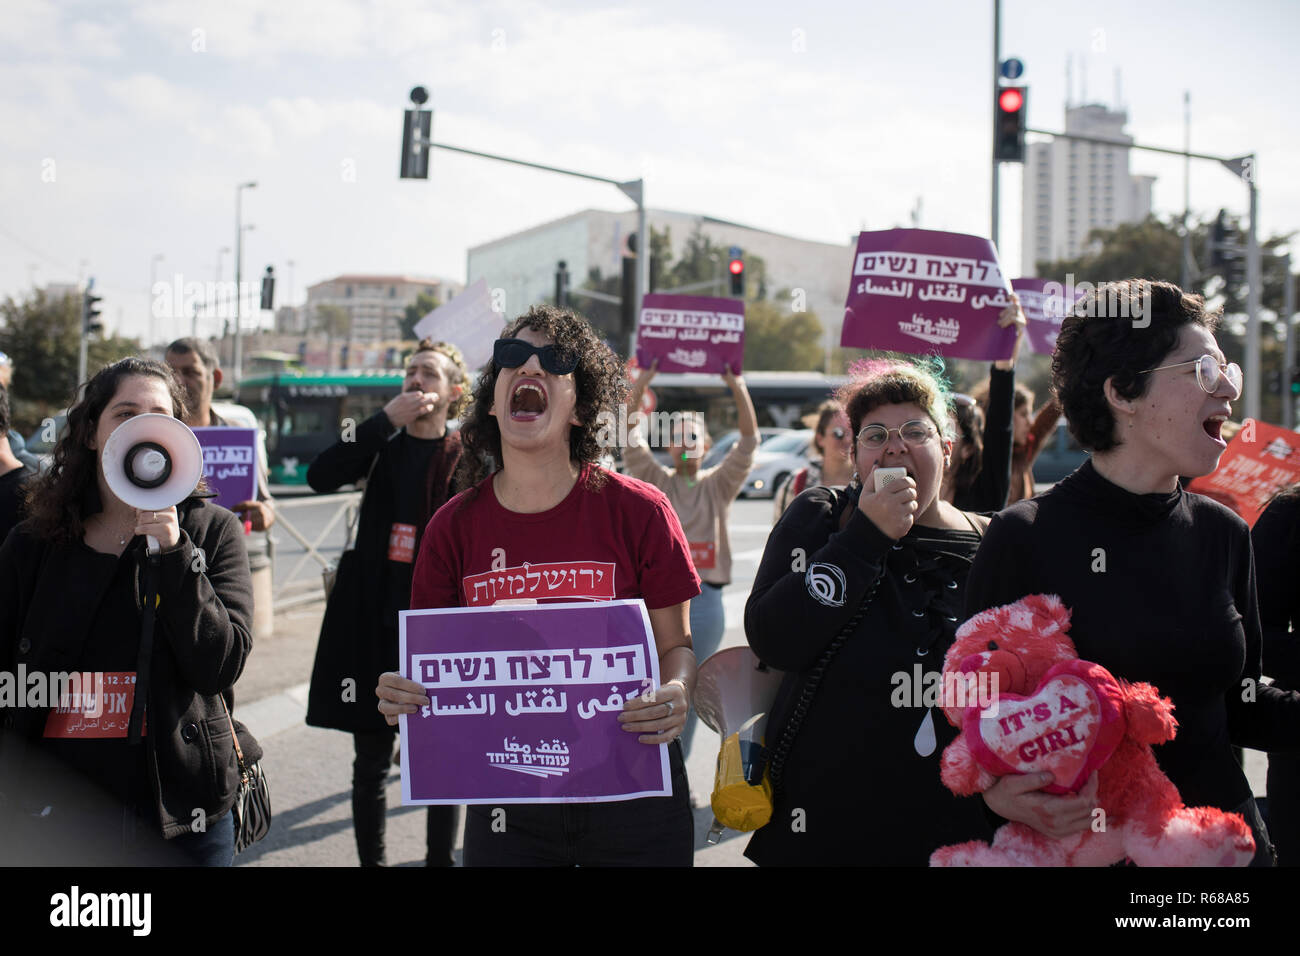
x=1144 y=818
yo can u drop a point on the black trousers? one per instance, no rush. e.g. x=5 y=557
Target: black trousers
x=650 y=831
x=374 y=758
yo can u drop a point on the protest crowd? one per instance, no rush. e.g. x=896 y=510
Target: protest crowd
x=917 y=516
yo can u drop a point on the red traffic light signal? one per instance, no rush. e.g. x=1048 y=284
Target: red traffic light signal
x=1009 y=114
x=737 y=269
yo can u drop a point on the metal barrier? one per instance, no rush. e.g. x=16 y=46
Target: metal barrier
x=294 y=591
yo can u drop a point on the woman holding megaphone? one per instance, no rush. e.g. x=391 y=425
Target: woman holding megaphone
x=96 y=776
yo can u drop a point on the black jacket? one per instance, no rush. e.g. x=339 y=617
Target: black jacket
x=356 y=643
x=49 y=596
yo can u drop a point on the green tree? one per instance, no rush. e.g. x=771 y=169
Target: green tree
x=425 y=303
x=1152 y=249
x=777 y=340
x=42 y=336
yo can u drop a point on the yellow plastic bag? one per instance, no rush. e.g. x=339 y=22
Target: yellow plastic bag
x=737 y=803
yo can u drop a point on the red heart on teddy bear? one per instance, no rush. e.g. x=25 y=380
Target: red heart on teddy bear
x=1069 y=726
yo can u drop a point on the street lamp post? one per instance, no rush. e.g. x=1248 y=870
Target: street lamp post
x=216 y=291
x=239 y=275
x=153 y=277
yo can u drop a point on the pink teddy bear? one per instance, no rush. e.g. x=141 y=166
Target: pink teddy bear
x=1142 y=816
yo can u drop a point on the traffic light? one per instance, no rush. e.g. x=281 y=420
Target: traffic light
x=268 y=289
x=1010 y=108
x=1218 y=238
x=90 y=323
x=561 y=285
x=417 y=128
x=737 y=269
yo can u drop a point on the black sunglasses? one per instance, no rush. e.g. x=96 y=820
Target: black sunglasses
x=512 y=353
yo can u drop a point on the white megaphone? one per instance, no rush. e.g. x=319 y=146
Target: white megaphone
x=734 y=693
x=152 y=462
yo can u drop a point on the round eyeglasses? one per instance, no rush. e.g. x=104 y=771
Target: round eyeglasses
x=1209 y=373
x=913 y=433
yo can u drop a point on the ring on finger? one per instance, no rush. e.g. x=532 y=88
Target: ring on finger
x=670 y=707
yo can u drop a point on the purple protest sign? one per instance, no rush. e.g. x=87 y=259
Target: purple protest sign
x=230 y=463
x=1044 y=304
x=919 y=291
x=524 y=704
x=691 y=333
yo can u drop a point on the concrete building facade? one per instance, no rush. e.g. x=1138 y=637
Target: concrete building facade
x=1072 y=187
x=523 y=265
x=374 y=302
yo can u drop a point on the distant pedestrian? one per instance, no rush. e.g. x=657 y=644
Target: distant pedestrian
x=17 y=447
x=979 y=475
x=832 y=464
x=1276 y=541
x=702 y=501
x=13 y=473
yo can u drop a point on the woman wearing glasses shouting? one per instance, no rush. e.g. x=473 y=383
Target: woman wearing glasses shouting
x=1160 y=582
x=857 y=598
x=538 y=413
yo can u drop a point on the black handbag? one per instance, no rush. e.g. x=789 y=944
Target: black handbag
x=252 y=807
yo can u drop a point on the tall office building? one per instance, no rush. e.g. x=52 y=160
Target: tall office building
x=1072 y=187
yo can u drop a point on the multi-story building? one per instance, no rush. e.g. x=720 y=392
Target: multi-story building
x=375 y=303
x=523 y=265
x=1072 y=187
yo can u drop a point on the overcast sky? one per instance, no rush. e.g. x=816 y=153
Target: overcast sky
x=125 y=126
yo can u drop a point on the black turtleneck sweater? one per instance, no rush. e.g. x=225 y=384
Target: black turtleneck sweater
x=1174 y=606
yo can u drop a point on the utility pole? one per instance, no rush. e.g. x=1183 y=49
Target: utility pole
x=239 y=275
x=1288 y=315
x=997 y=66
x=1185 y=273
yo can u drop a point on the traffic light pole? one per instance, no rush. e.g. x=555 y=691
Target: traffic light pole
x=1288 y=316
x=633 y=189
x=1244 y=168
x=997 y=67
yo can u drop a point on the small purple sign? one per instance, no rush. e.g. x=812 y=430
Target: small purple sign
x=1045 y=305
x=230 y=463
x=691 y=333
x=920 y=291
x=524 y=704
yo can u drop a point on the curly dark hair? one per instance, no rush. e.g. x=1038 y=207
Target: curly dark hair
x=600 y=382
x=969 y=419
x=1118 y=331
x=65 y=494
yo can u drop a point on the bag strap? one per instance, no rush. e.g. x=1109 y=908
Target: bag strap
x=144 y=659
x=353 y=529
x=776 y=763
x=239 y=753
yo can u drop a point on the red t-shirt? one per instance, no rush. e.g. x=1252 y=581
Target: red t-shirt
x=621 y=542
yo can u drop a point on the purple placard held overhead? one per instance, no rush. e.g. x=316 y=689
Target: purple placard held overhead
x=920 y=291
x=1045 y=304
x=524 y=704
x=230 y=463
x=691 y=333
